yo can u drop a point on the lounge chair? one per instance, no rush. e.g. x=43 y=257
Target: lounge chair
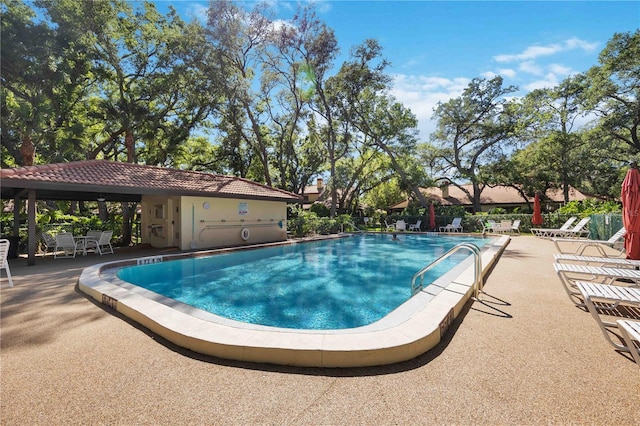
x=598 y=245
x=600 y=299
x=630 y=331
x=66 y=244
x=454 y=226
x=401 y=225
x=552 y=232
x=577 y=231
x=603 y=261
x=4 y=263
x=102 y=244
x=415 y=226
x=596 y=274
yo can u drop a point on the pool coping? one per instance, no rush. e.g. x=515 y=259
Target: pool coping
x=409 y=331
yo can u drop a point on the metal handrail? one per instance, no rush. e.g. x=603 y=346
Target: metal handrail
x=477 y=278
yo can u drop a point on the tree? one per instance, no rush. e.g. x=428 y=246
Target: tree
x=614 y=88
x=44 y=79
x=318 y=49
x=150 y=91
x=241 y=38
x=553 y=113
x=473 y=130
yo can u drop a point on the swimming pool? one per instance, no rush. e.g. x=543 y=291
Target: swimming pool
x=329 y=284
x=408 y=331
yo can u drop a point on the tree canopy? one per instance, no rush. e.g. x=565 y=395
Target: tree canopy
x=250 y=95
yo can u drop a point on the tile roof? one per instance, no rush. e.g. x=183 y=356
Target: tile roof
x=128 y=178
x=498 y=195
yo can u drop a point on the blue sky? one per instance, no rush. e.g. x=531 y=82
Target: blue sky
x=437 y=47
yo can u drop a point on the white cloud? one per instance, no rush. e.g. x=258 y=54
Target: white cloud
x=503 y=72
x=422 y=94
x=507 y=72
x=534 y=52
x=529 y=53
x=531 y=68
x=549 y=81
x=560 y=69
x=576 y=43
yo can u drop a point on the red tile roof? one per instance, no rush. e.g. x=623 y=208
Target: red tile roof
x=498 y=195
x=126 y=178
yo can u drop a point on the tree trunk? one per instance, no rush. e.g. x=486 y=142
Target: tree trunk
x=28 y=151
x=127 y=208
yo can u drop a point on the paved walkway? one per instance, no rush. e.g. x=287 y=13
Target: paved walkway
x=528 y=357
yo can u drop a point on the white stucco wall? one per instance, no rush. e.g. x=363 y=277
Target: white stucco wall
x=201 y=222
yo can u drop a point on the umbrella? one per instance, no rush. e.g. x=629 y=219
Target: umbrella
x=432 y=217
x=537 y=214
x=630 y=196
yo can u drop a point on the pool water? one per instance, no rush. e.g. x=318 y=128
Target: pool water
x=330 y=284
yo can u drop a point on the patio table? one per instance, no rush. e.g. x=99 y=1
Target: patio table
x=84 y=239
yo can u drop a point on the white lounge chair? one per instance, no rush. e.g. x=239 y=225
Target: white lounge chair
x=577 y=231
x=4 y=263
x=608 y=298
x=570 y=274
x=553 y=232
x=611 y=262
x=415 y=226
x=630 y=331
x=102 y=244
x=66 y=244
x=401 y=225
x=454 y=226
x=599 y=245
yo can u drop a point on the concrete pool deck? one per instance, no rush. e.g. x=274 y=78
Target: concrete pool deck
x=526 y=356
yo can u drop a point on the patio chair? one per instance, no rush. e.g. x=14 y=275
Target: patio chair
x=415 y=226
x=66 y=244
x=401 y=225
x=49 y=242
x=101 y=245
x=598 y=245
x=602 y=299
x=388 y=227
x=515 y=227
x=4 y=263
x=454 y=226
x=630 y=331
x=552 y=232
x=489 y=226
x=570 y=274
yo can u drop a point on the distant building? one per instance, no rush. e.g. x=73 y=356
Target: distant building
x=314 y=193
x=505 y=197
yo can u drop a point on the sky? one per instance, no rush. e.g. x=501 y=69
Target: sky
x=437 y=47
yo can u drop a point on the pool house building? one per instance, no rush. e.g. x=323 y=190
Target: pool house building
x=179 y=208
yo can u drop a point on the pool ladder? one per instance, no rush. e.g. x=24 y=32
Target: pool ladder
x=417 y=282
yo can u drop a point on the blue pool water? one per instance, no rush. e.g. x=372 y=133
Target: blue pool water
x=331 y=284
